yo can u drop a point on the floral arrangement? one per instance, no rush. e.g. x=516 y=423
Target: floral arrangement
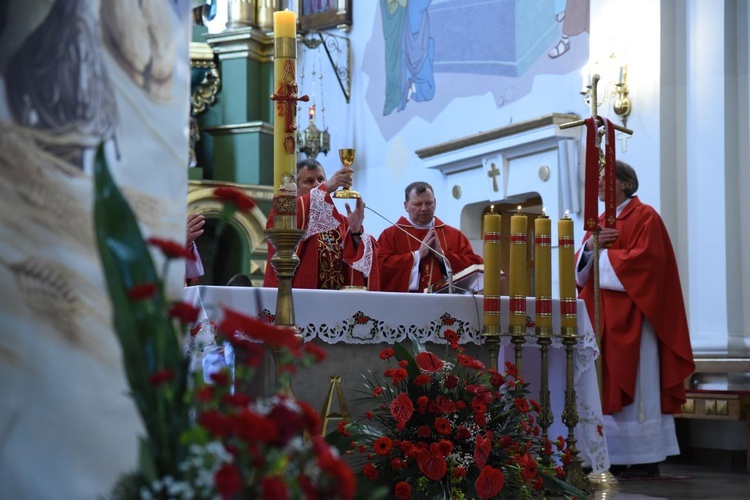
x=205 y=440
x=450 y=428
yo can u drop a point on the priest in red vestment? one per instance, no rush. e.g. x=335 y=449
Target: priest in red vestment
x=406 y=265
x=645 y=342
x=335 y=252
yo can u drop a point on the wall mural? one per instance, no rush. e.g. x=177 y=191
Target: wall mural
x=425 y=53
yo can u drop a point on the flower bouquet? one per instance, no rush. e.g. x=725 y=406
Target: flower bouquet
x=449 y=428
x=205 y=441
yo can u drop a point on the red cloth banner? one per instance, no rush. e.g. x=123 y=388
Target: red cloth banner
x=610 y=197
x=591 y=184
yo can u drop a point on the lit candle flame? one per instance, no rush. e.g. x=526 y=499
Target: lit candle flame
x=566 y=213
x=519 y=209
x=492 y=208
x=544 y=210
x=312 y=112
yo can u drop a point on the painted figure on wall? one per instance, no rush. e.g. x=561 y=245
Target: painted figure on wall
x=574 y=16
x=409 y=53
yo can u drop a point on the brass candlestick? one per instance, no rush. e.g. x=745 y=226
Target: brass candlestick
x=346 y=155
x=544 y=339
x=574 y=470
x=491 y=336
x=284 y=239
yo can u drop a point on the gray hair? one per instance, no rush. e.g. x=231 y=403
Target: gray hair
x=626 y=173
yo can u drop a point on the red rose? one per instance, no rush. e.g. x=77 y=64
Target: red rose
x=451 y=381
x=459 y=472
x=463 y=433
x=228 y=480
x=402 y=408
x=428 y=362
x=234 y=196
x=489 y=483
x=497 y=380
x=403 y=490
x=511 y=369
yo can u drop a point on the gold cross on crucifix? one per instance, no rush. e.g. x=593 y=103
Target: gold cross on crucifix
x=494 y=173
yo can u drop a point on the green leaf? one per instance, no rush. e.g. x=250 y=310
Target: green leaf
x=147 y=336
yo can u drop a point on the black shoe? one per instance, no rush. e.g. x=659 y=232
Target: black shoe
x=640 y=471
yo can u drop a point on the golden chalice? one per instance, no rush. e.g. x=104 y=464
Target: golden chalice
x=347 y=159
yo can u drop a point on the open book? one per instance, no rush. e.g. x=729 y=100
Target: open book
x=468 y=281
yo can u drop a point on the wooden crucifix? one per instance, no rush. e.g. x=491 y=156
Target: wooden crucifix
x=596 y=162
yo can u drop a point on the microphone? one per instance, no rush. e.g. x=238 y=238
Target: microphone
x=440 y=255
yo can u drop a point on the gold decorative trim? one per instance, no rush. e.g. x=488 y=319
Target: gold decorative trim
x=285 y=47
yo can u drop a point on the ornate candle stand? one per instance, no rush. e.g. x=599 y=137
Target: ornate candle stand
x=518 y=338
x=285 y=239
x=544 y=339
x=492 y=336
x=574 y=471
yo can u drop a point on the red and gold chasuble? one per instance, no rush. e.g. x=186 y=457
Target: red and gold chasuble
x=396 y=255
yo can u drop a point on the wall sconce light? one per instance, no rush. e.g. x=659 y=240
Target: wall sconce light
x=613 y=90
x=622 y=102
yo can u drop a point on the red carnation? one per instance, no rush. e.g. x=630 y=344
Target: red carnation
x=370 y=472
x=522 y=404
x=273 y=336
x=317 y=352
x=489 y=483
x=459 y=472
x=236 y=197
x=377 y=391
x=402 y=408
x=228 y=481
x=186 y=313
x=172 y=249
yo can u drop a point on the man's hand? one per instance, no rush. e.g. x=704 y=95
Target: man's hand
x=427 y=243
x=356 y=217
x=606 y=236
x=195 y=225
x=342 y=178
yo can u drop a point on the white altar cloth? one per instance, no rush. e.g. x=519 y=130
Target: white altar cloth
x=362 y=317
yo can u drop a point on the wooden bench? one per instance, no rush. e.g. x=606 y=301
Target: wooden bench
x=716 y=404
